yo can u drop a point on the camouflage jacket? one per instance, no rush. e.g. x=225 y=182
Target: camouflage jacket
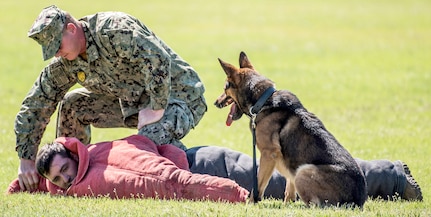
x=124 y=59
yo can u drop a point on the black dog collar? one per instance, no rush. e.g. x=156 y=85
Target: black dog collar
x=261 y=101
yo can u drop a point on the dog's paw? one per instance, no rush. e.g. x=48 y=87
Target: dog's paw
x=254 y=198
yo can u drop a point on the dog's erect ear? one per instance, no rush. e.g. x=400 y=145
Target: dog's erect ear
x=228 y=68
x=244 y=62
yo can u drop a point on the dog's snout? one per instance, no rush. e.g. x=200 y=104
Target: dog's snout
x=219 y=101
x=218 y=104
x=223 y=101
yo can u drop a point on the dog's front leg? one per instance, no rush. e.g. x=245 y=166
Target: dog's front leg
x=268 y=160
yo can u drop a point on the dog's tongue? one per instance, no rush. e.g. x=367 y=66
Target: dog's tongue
x=229 y=119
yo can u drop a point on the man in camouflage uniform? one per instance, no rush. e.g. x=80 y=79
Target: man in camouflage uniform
x=132 y=79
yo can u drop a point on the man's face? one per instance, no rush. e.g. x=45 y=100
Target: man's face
x=62 y=171
x=69 y=47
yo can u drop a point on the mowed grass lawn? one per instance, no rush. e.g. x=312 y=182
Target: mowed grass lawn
x=363 y=67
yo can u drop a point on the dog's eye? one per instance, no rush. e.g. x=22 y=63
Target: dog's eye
x=227 y=85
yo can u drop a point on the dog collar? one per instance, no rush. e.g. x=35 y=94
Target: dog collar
x=261 y=101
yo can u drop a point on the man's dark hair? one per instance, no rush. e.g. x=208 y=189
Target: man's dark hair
x=46 y=155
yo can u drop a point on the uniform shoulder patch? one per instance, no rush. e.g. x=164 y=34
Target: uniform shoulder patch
x=57 y=73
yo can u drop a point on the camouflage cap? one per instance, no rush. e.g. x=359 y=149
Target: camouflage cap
x=47 y=30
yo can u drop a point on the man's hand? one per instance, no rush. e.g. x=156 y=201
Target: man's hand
x=149 y=116
x=27 y=175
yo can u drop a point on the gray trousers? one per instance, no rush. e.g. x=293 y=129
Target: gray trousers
x=384 y=178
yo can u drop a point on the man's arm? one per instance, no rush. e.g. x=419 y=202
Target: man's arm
x=34 y=115
x=155 y=63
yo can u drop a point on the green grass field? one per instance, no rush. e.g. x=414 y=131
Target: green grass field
x=363 y=67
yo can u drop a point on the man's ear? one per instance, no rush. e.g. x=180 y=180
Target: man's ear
x=71 y=27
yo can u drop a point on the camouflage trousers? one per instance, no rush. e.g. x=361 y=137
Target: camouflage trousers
x=81 y=109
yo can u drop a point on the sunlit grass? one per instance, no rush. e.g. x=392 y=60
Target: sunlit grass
x=362 y=67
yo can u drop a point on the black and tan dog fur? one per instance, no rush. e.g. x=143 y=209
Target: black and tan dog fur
x=294 y=141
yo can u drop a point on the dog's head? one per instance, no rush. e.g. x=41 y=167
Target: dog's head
x=242 y=89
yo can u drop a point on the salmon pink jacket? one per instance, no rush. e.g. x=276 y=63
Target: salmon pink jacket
x=134 y=167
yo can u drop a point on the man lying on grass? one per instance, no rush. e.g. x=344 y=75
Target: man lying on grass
x=133 y=167
x=110 y=168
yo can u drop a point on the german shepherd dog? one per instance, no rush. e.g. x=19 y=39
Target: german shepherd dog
x=293 y=141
